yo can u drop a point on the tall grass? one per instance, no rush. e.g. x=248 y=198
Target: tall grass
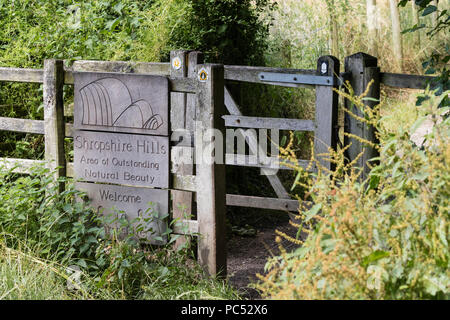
x=301 y=33
x=386 y=237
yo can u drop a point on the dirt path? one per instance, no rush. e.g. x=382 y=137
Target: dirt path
x=248 y=255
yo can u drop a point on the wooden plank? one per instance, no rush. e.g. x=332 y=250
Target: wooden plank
x=184 y=182
x=22 y=125
x=68 y=76
x=179 y=182
x=326 y=115
x=69 y=130
x=410 y=81
x=20 y=165
x=183 y=85
x=177 y=99
x=230 y=104
x=194 y=58
x=269 y=123
x=210 y=172
x=250 y=74
x=155 y=68
x=262 y=202
x=184 y=226
x=54 y=127
x=275 y=163
x=274 y=181
x=21 y=75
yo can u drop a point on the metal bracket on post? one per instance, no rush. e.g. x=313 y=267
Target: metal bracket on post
x=304 y=78
x=296 y=78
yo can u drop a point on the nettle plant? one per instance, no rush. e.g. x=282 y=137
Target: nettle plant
x=382 y=238
x=63 y=229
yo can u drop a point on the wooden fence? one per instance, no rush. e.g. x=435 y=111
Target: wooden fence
x=187 y=187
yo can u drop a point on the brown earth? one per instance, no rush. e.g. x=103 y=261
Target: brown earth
x=247 y=256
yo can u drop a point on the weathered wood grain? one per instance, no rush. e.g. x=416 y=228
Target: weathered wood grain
x=274 y=181
x=363 y=69
x=20 y=165
x=185 y=227
x=409 y=81
x=326 y=115
x=155 y=68
x=179 y=182
x=181 y=200
x=211 y=205
x=269 y=123
x=274 y=163
x=262 y=202
x=21 y=75
x=250 y=74
x=22 y=125
x=182 y=85
x=54 y=127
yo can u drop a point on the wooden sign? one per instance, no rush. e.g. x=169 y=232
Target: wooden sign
x=117 y=102
x=133 y=204
x=121 y=128
x=118 y=158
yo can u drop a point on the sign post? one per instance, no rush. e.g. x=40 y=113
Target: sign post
x=121 y=147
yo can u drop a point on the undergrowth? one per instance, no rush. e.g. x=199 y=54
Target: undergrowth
x=49 y=238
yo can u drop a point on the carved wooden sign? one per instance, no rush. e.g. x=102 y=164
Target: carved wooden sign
x=143 y=208
x=121 y=127
x=116 y=102
x=130 y=159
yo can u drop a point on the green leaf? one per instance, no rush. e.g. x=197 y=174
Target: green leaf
x=370 y=99
x=82 y=263
x=428 y=10
x=313 y=211
x=374 y=182
x=433 y=285
x=112 y=24
x=414 y=28
x=297 y=178
x=374 y=256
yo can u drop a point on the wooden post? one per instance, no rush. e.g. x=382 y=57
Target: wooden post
x=178 y=69
x=181 y=200
x=183 y=113
x=326 y=121
x=211 y=190
x=194 y=58
x=54 y=128
x=363 y=68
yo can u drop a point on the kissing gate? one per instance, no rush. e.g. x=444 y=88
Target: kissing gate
x=153 y=132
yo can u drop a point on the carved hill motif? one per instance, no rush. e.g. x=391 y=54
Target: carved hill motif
x=108 y=102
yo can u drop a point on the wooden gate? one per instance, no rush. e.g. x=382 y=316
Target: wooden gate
x=205 y=101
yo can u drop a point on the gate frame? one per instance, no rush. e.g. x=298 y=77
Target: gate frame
x=212 y=253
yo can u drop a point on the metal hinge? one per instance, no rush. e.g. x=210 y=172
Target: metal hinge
x=302 y=78
x=296 y=78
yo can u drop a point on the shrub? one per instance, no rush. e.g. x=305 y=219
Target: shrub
x=227 y=31
x=383 y=238
x=46 y=232
x=60 y=227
